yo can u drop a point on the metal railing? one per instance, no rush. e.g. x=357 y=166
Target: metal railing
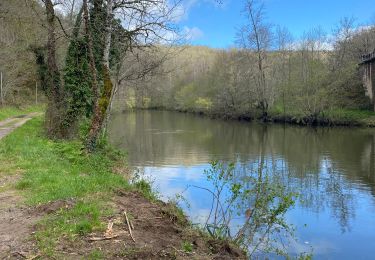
x=368 y=57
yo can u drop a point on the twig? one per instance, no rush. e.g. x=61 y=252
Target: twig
x=22 y=254
x=109 y=231
x=148 y=218
x=33 y=257
x=130 y=229
x=102 y=238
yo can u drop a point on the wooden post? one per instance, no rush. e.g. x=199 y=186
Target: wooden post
x=36 y=92
x=1 y=88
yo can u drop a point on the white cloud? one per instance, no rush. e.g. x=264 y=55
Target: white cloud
x=181 y=11
x=193 y=33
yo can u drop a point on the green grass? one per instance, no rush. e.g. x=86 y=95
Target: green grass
x=54 y=170
x=57 y=170
x=82 y=219
x=7 y=112
x=356 y=116
x=187 y=247
x=336 y=116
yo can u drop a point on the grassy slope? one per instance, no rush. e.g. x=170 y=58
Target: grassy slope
x=59 y=170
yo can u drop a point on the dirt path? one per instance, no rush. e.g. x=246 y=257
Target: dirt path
x=16 y=220
x=10 y=124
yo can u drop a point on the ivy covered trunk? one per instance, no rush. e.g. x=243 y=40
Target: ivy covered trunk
x=100 y=110
x=53 y=89
x=77 y=79
x=101 y=102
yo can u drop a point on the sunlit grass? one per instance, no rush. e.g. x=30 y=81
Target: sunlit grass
x=7 y=112
x=61 y=170
x=57 y=170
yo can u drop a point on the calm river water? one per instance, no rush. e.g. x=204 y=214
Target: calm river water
x=332 y=168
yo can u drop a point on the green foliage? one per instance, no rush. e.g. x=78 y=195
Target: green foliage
x=77 y=83
x=40 y=61
x=204 y=104
x=144 y=186
x=303 y=84
x=84 y=128
x=187 y=247
x=347 y=89
x=257 y=195
x=78 y=91
x=97 y=27
x=185 y=97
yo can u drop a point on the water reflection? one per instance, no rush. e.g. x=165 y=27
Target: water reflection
x=334 y=169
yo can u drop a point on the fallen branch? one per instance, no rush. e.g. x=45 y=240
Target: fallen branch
x=128 y=223
x=30 y=257
x=102 y=238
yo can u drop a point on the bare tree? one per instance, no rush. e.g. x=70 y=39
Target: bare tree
x=343 y=34
x=284 y=42
x=54 y=88
x=255 y=37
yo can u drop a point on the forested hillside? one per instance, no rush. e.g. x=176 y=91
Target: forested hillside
x=20 y=30
x=267 y=74
x=306 y=77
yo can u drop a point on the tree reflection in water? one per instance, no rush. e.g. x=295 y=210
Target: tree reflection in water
x=333 y=169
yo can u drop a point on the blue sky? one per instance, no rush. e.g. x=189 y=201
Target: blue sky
x=216 y=25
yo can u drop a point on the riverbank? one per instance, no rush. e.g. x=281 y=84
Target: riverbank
x=57 y=201
x=337 y=117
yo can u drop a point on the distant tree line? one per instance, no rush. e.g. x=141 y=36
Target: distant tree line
x=269 y=74
x=84 y=54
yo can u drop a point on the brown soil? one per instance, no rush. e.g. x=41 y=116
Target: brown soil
x=17 y=225
x=158 y=232
x=16 y=222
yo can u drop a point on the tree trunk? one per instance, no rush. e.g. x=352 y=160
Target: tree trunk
x=108 y=34
x=54 y=91
x=101 y=104
x=91 y=143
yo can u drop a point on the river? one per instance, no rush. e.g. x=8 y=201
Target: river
x=333 y=170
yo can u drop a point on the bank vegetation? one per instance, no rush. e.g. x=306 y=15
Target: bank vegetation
x=268 y=75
